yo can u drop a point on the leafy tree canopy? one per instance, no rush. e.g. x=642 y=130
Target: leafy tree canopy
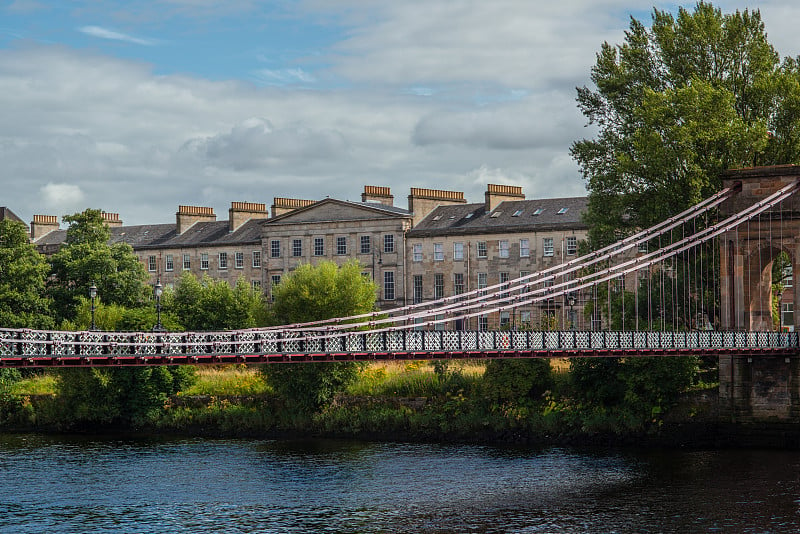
x=323 y=291
x=674 y=106
x=23 y=272
x=313 y=293
x=209 y=304
x=87 y=258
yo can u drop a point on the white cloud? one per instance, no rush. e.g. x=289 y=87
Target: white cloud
x=62 y=197
x=433 y=94
x=283 y=76
x=256 y=144
x=105 y=33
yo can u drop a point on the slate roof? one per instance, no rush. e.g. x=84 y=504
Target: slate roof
x=159 y=236
x=510 y=216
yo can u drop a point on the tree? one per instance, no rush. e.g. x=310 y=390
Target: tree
x=214 y=305
x=23 y=272
x=677 y=104
x=86 y=258
x=314 y=293
x=118 y=396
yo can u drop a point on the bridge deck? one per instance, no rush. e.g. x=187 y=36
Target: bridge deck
x=36 y=348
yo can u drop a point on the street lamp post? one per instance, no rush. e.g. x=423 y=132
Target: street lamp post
x=157 y=291
x=93 y=295
x=571 y=302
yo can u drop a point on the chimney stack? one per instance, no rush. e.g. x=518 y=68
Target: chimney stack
x=189 y=215
x=43 y=225
x=379 y=194
x=422 y=201
x=495 y=194
x=241 y=212
x=112 y=219
x=282 y=205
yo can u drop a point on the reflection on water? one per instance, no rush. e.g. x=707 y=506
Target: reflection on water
x=68 y=484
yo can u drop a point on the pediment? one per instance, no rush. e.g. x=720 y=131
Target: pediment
x=334 y=210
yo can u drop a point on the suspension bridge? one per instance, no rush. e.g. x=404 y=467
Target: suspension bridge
x=697 y=283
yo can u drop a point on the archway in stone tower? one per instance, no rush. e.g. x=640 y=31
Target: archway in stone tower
x=766 y=273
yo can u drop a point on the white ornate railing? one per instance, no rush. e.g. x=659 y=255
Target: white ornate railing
x=59 y=346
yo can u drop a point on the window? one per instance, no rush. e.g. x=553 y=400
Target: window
x=319 y=246
x=275 y=248
x=256 y=285
x=223 y=260
x=538 y=211
x=204 y=261
x=458 y=283
x=517 y=213
x=787 y=316
x=388 y=285
x=151 y=263
x=438 y=286
x=503 y=248
x=341 y=246
x=482 y=280
x=525 y=318
x=187 y=262
x=547 y=246
x=458 y=251
x=643 y=248
x=788 y=277
x=238 y=259
x=439 y=325
x=170 y=263
x=416 y=252
x=482 y=249
x=388 y=243
x=438 y=252
x=524 y=248
x=417 y=288
x=483 y=323
x=504 y=280
x=523 y=274
x=365 y=241
x=505 y=319
x=572 y=245
x=297 y=248
x=257 y=259
x=275 y=279
x=562 y=211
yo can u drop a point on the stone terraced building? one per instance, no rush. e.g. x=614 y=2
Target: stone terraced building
x=438 y=246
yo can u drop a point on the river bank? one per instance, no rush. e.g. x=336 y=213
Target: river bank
x=695 y=423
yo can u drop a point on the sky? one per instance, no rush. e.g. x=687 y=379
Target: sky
x=135 y=107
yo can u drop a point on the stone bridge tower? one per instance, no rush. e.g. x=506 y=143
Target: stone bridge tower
x=757 y=387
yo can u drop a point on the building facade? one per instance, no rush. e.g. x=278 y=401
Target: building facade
x=464 y=247
x=440 y=246
x=371 y=232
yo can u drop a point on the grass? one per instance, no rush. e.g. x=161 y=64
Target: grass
x=38 y=384
x=228 y=380
x=409 y=379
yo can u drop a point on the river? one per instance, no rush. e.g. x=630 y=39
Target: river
x=57 y=484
